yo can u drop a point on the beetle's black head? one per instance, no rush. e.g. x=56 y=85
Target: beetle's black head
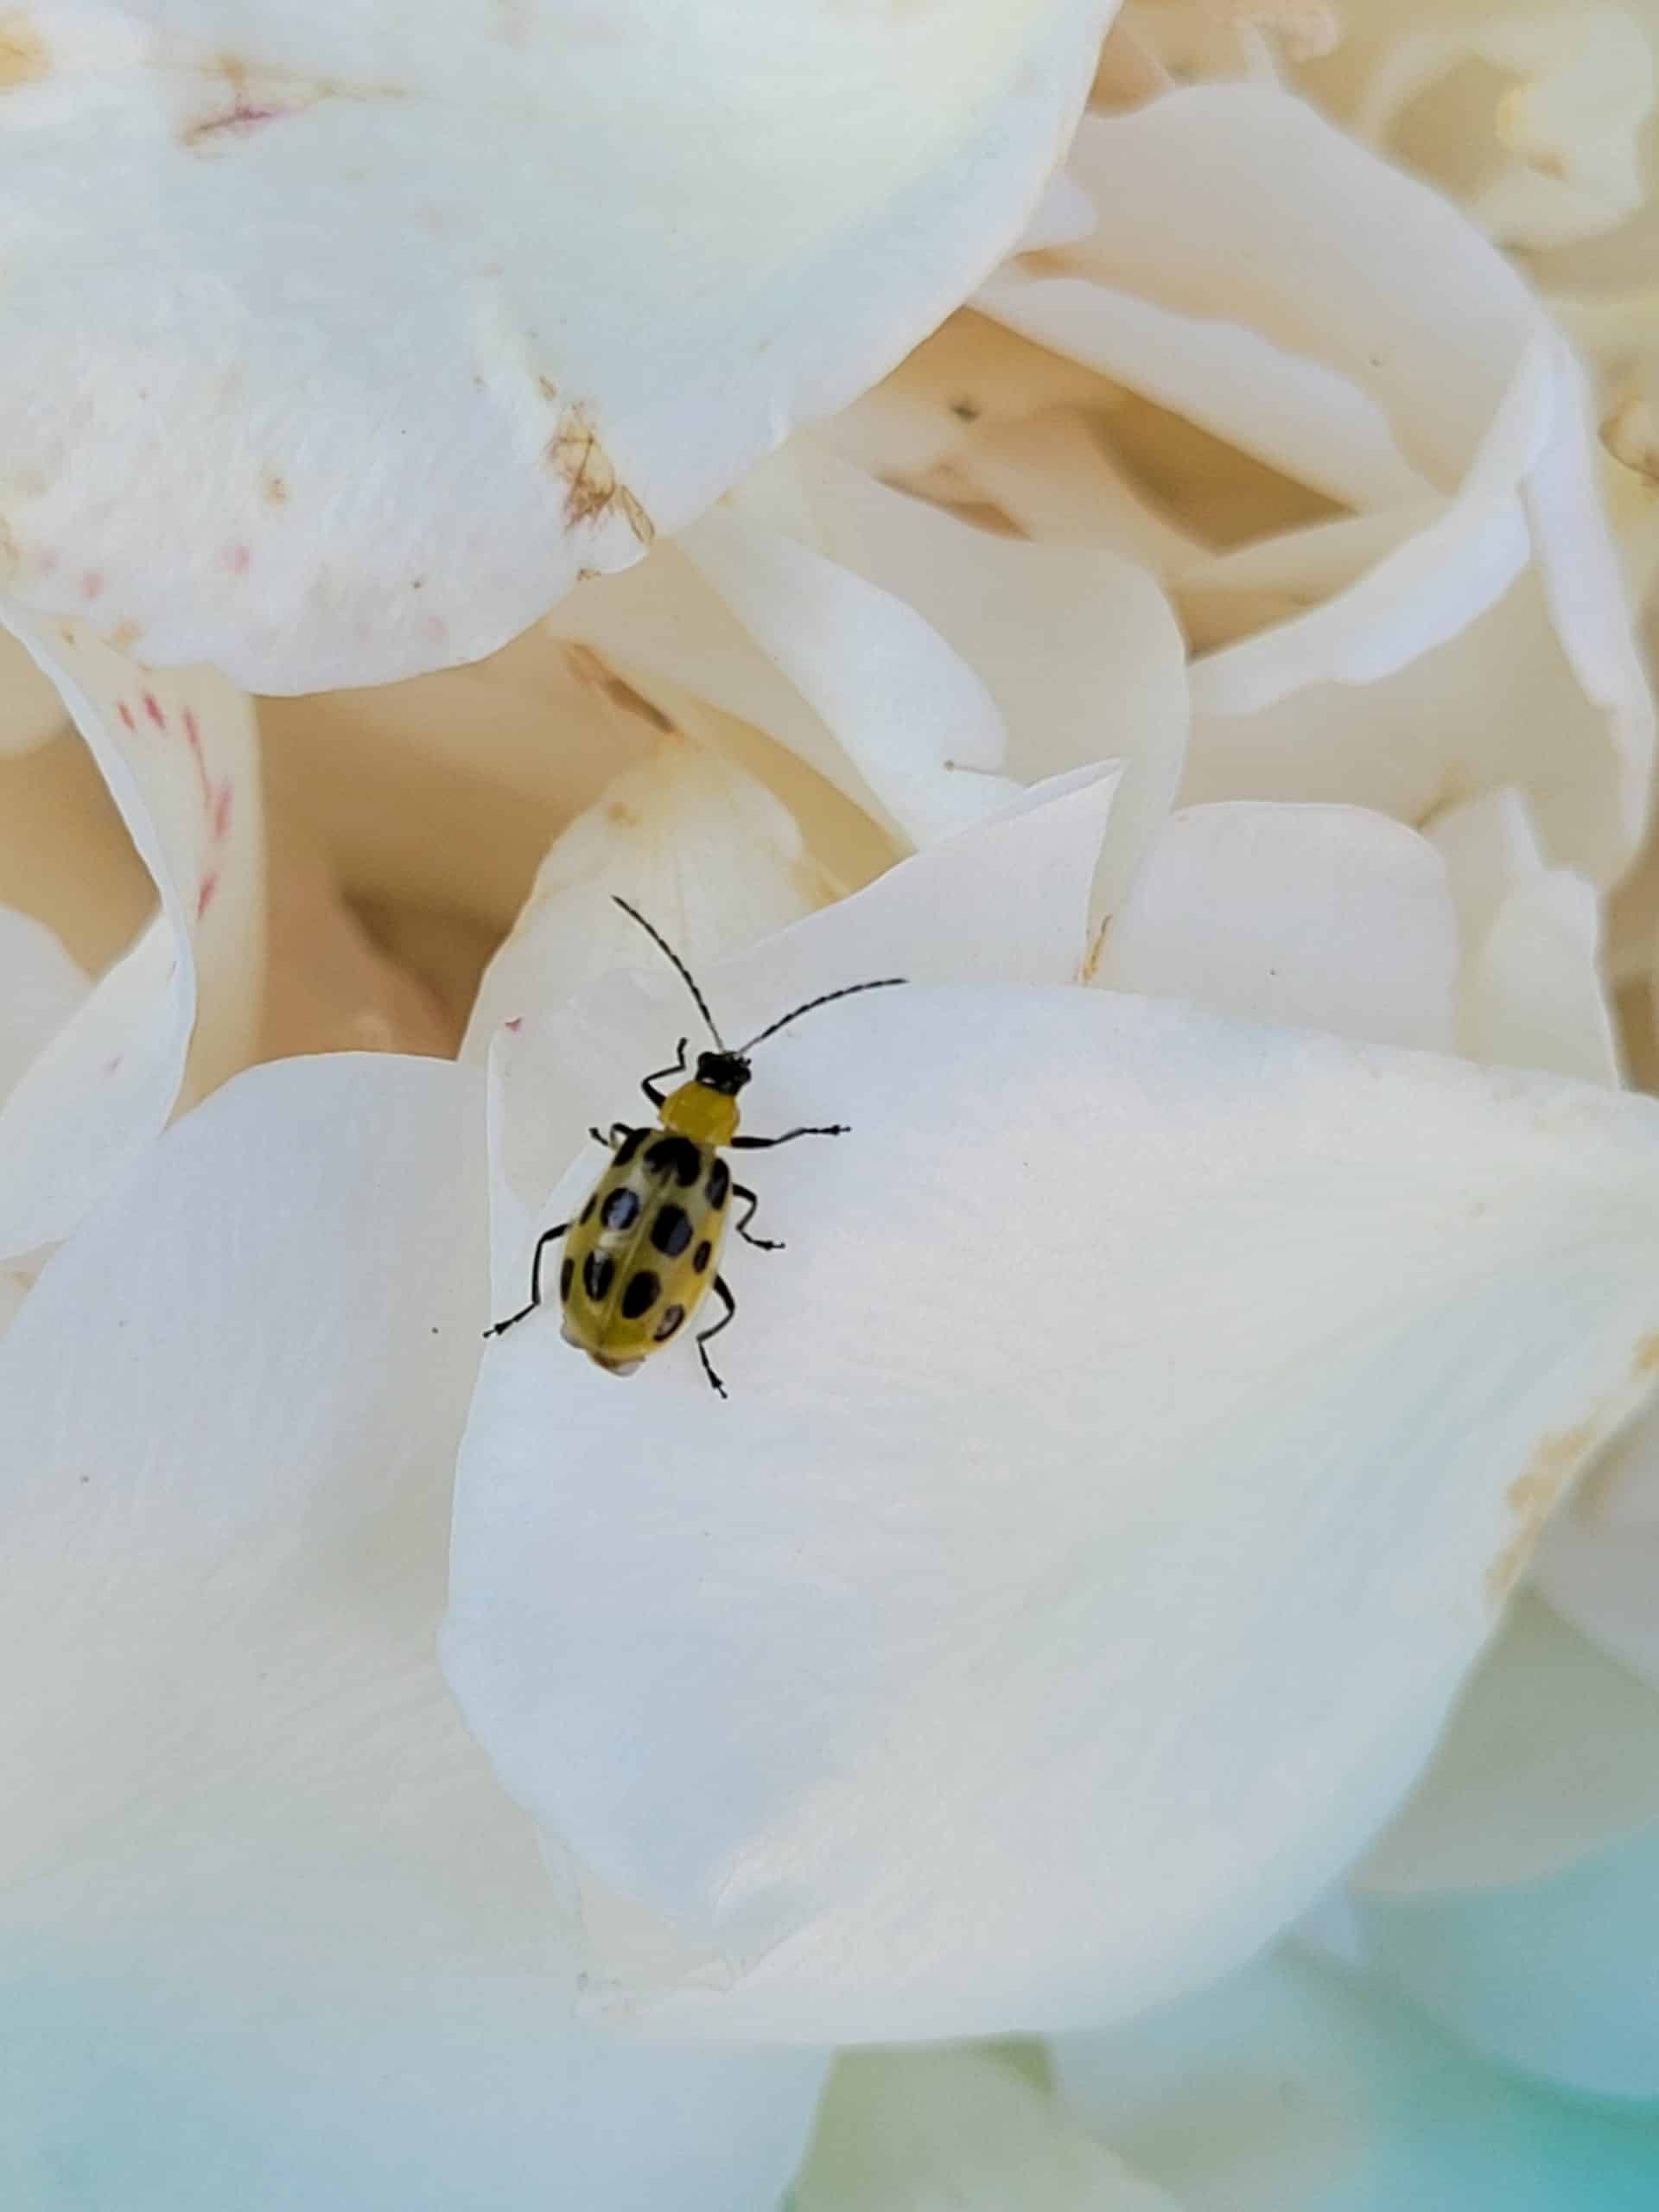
x=726 y=1073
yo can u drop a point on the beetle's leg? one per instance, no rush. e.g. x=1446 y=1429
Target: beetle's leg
x=548 y=1236
x=649 y=1084
x=723 y=1292
x=741 y=1225
x=618 y=1130
x=766 y=1144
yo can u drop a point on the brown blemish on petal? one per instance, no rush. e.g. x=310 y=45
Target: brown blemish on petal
x=274 y=488
x=23 y=56
x=124 y=636
x=575 y=453
x=635 y=515
x=585 y=666
x=1645 y=1360
x=245 y=99
x=1534 y=1496
x=1096 y=954
x=625 y=817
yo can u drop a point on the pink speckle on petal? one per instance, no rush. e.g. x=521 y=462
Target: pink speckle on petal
x=205 y=891
x=109 y=1066
x=237 y=559
x=126 y=714
x=436 y=628
x=516 y=1024
x=153 y=708
x=90 y=584
x=192 y=729
x=224 y=800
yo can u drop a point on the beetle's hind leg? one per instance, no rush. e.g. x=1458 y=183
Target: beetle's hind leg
x=618 y=1130
x=722 y=1291
x=741 y=1222
x=548 y=1236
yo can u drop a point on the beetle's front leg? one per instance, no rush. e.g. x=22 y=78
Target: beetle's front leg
x=650 y=1083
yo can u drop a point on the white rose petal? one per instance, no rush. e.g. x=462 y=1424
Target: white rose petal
x=274 y=1936
x=946 y=1719
x=917 y=2131
x=178 y=753
x=402 y=319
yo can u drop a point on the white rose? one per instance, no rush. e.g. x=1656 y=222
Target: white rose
x=1239 y=1247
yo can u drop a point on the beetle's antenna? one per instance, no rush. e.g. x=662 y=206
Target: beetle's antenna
x=686 y=976
x=847 y=991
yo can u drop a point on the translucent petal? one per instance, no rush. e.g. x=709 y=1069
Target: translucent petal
x=181 y=1008
x=1290 y=2088
x=30 y=709
x=40 y=987
x=389 y=307
x=917 y=2131
x=911 y=1750
x=273 y=1936
x=1530 y=994
x=1600 y=1565
x=1554 y=1976
x=1329 y=917
x=1553 y=1753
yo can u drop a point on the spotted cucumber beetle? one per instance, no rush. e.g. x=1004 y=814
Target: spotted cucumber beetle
x=641 y=1256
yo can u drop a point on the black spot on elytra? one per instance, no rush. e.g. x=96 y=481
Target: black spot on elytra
x=643 y=1291
x=700 y=1257
x=597 y=1271
x=720 y=1181
x=676 y=1156
x=567 y=1276
x=670 y=1322
x=672 y=1230
x=629 y=1146
x=621 y=1210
